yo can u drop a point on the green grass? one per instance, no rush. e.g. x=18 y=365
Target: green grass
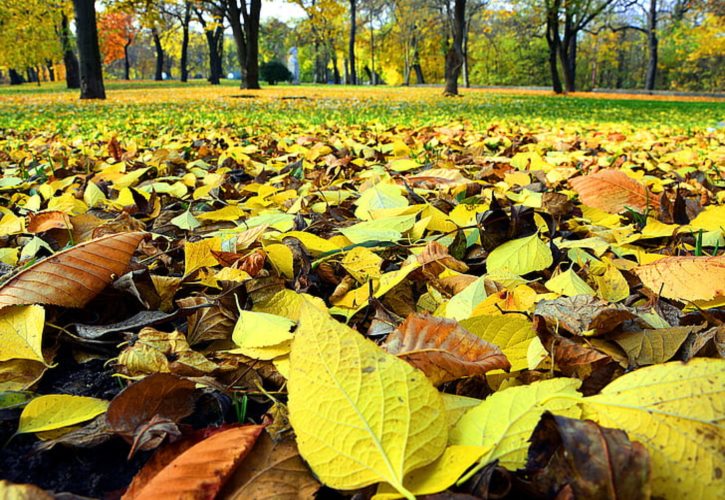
x=151 y=109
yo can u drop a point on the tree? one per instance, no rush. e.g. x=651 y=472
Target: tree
x=90 y=65
x=117 y=32
x=565 y=21
x=72 y=69
x=212 y=22
x=275 y=71
x=456 y=17
x=352 y=75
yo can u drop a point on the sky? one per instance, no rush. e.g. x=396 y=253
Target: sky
x=282 y=10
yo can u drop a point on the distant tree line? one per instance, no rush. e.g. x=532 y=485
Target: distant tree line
x=568 y=45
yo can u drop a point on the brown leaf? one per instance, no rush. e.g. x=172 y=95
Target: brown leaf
x=88 y=436
x=595 y=462
x=685 y=278
x=45 y=221
x=214 y=322
x=582 y=312
x=201 y=471
x=435 y=253
x=160 y=395
x=443 y=349
x=612 y=191
x=73 y=277
x=272 y=471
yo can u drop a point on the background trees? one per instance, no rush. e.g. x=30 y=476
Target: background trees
x=568 y=45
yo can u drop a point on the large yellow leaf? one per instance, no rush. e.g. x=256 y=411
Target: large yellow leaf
x=361 y=415
x=520 y=256
x=677 y=411
x=261 y=335
x=46 y=413
x=21 y=333
x=511 y=333
x=569 y=284
x=506 y=419
x=438 y=476
x=685 y=278
x=198 y=254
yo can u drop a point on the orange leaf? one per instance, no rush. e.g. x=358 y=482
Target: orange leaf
x=45 y=221
x=612 y=191
x=200 y=471
x=73 y=277
x=435 y=253
x=443 y=349
x=685 y=278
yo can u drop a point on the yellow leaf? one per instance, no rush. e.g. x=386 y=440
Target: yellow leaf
x=362 y=264
x=198 y=254
x=685 y=278
x=9 y=256
x=520 y=256
x=257 y=329
x=505 y=420
x=512 y=334
x=281 y=258
x=21 y=333
x=676 y=411
x=388 y=229
x=710 y=219
x=462 y=304
x=10 y=491
x=20 y=374
x=403 y=165
x=54 y=411
x=569 y=284
x=382 y=418
x=612 y=285
x=381 y=195
x=185 y=221
x=228 y=213
x=93 y=196
x=313 y=243
x=438 y=476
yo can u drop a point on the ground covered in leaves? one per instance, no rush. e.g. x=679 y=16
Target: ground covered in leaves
x=322 y=292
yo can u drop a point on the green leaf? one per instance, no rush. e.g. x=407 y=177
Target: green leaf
x=521 y=256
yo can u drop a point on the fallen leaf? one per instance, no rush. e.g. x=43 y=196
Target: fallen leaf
x=505 y=420
x=54 y=411
x=273 y=471
x=583 y=313
x=73 y=277
x=438 y=476
x=685 y=278
x=200 y=471
x=650 y=347
x=675 y=411
x=21 y=333
x=612 y=190
x=443 y=350
x=12 y=491
x=520 y=256
x=511 y=333
x=158 y=395
x=382 y=417
x=595 y=462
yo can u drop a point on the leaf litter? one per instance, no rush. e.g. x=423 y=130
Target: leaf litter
x=388 y=311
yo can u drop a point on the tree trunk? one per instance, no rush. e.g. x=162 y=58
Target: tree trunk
x=567 y=52
x=126 y=62
x=351 y=46
x=466 y=69
x=15 y=77
x=373 y=74
x=454 y=56
x=251 y=30
x=416 y=58
x=159 y=74
x=91 y=72
x=234 y=14
x=51 y=70
x=553 y=40
x=183 y=61
x=72 y=72
x=652 y=43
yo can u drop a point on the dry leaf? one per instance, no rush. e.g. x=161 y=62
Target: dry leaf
x=200 y=471
x=613 y=191
x=685 y=278
x=273 y=471
x=73 y=277
x=443 y=349
x=596 y=462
